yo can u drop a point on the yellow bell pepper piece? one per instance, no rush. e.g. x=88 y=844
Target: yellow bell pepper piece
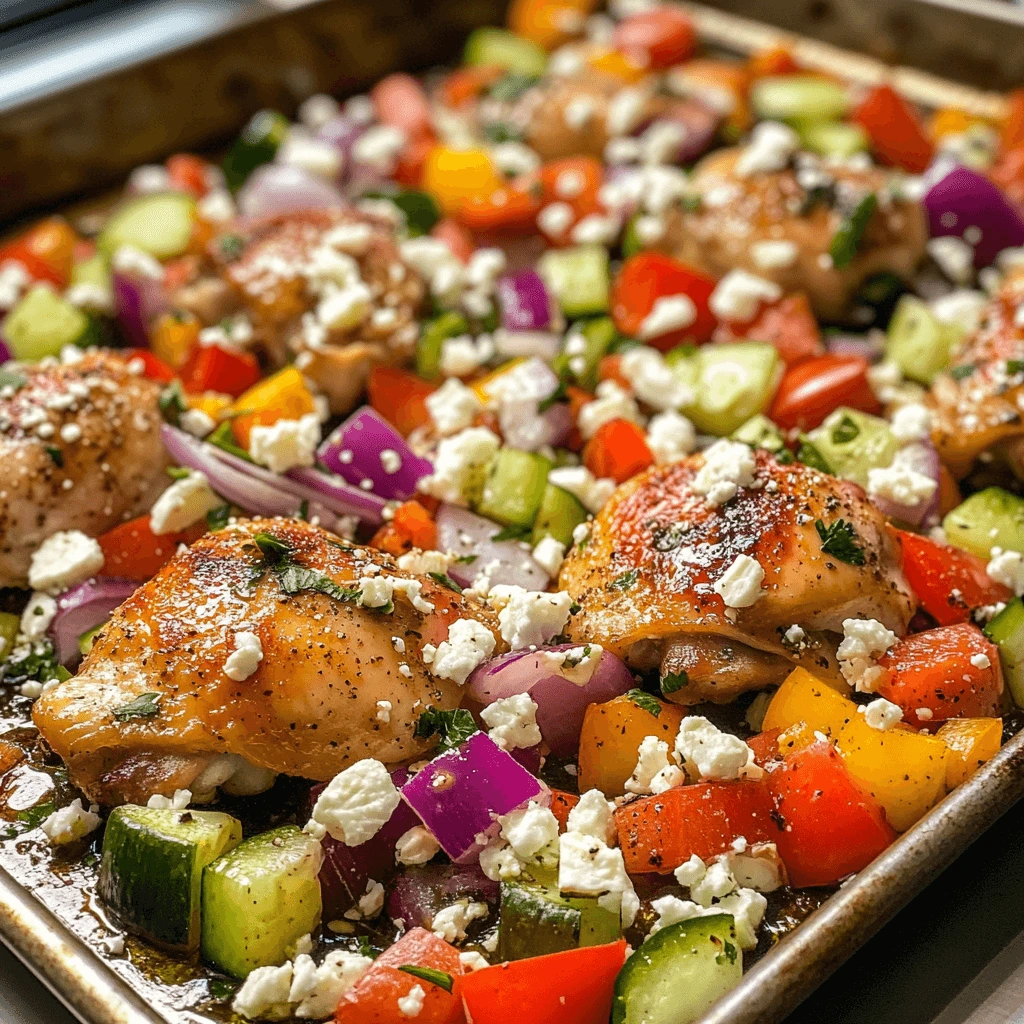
x=971 y=742
x=283 y=396
x=804 y=699
x=484 y=387
x=215 y=404
x=453 y=176
x=950 y=121
x=609 y=739
x=795 y=738
x=617 y=65
x=173 y=337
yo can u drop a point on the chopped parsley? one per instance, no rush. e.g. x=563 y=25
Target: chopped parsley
x=572 y=661
x=172 y=402
x=217 y=518
x=511 y=86
x=625 y=581
x=513 y=532
x=56 y=455
x=276 y=557
x=466 y=559
x=223 y=437
x=445 y=580
x=845 y=431
x=642 y=699
x=177 y=472
x=146 y=705
x=451 y=727
x=1014 y=366
x=809 y=455
x=440 y=978
x=221 y=989
x=840 y=540
x=728 y=954
x=847 y=238
x=960 y=372
x=231 y=246
x=674 y=681
x=32 y=661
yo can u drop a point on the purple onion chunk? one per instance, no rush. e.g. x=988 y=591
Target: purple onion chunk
x=524 y=301
x=418 y=893
x=84 y=607
x=275 y=189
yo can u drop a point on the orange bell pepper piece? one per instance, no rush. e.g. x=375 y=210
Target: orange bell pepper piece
x=173 y=337
x=282 y=396
x=617 y=65
x=1011 y=134
x=548 y=23
x=132 y=551
x=188 y=173
x=47 y=251
x=897 y=135
x=454 y=176
x=400 y=397
x=618 y=450
x=411 y=527
x=561 y=804
x=778 y=60
x=972 y=742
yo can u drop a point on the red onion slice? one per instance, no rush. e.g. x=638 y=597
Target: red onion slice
x=419 y=893
x=83 y=608
x=524 y=301
x=275 y=189
x=138 y=300
x=921 y=457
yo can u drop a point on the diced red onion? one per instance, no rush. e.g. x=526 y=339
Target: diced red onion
x=275 y=189
x=138 y=300
x=418 y=893
x=524 y=301
x=965 y=203
x=922 y=457
x=5 y=349
x=700 y=125
x=529 y=757
x=462 y=792
x=470 y=536
x=523 y=344
x=869 y=346
x=561 y=703
x=83 y=608
x=354 y=451
x=341 y=132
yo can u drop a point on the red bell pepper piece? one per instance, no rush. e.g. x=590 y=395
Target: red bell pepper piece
x=46 y=251
x=895 y=130
x=658 y=833
x=811 y=390
x=572 y=987
x=153 y=366
x=953 y=671
x=188 y=173
x=213 y=368
x=831 y=827
x=455 y=236
x=509 y=210
x=400 y=100
x=400 y=397
x=765 y=746
x=656 y=39
x=132 y=551
x=618 y=450
x=789 y=324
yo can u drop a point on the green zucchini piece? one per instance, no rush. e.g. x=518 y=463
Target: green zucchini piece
x=160 y=224
x=559 y=514
x=151 y=869
x=95 y=270
x=833 y=138
x=42 y=323
x=992 y=518
x=578 y=277
x=10 y=624
x=1006 y=631
x=852 y=443
x=432 y=338
x=585 y=346
x=497 y=47
x=514 y=487
x=732 y=383
x=259 y=899
x=256 y=145
x=679 y=972
x=917 y=342
x=799 y=98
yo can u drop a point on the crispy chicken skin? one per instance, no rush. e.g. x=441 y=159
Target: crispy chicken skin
x=80 y=449
x=645 y=577
x=737 y=212
x=310 y=707
x=980 y=408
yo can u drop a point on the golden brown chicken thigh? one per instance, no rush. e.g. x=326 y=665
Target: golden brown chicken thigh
x=309 y=707
x=645 y=579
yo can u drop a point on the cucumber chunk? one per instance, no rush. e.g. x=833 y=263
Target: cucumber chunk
x=578 y=277
x=852 y=443
x=151 y=869
x=800 y=98
x=95 y=270
x=732 y=383
x=992 y=518
x=432 y=338
x=760 y=432
x=497 y=47
x=679 y=972
x=259 y=899
x=918 y=343
x=514 y=487
x=43 y=323
x=559 y=514
x=833 y=138
x=585 y=346
x=1006 y=631
x=160 y=224
x=257 y=144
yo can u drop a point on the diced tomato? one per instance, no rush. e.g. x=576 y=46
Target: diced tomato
x=948 y=582
x=46 y=251
x=572 y=987
x=953 y=671
x=1008 y=173
x=949 y=491
x=153 y=367
x=789 y=324
x=656 y=39
x=765 y=746
x=188 y=173
x=181 y=271
x=413 y=527
x=373 y=999
x=658 y=833
x=831 y=827
x=561 y=804
x=896 y=132
x=814 y=388
x=213 y=368
x=465 y=84
x=717 y=82
x=455 y=236
x=510 y=209
x=400 y=397
x=650 y=276
x=610 y=368
x=618 y=450
x=779 y=60
x=400 y=100
x=578 y=398
x=132 y=551
x=576 y=181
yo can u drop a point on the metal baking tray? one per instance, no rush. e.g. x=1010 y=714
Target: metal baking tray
x=50 y=918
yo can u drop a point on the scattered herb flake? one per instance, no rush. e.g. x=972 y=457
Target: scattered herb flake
x=445 y=580
x=809 y=455
x=728 y=954
x=231 y=246
x=513 y=532
x=146 y=705
x=674 y=681
x=840 y=540
x=172 y=402
x=451 y=727
x=960 y=372
x=466 y=559
x=845 y=431
x=1014 y=366
x=217 y=518
x=440 y=978
x=642 y=699
x=625 y=581
x=177 y=472
x=35 y=816
x=56 y=455
x=847 y=238
x=224 y=438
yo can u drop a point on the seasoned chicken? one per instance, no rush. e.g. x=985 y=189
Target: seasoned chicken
x=309 y=707
x=645 y=578
x=979 y=401
x=804 y=206
x=80 y=450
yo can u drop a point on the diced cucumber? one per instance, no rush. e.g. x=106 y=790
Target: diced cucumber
x=85 y=641
x=43 y=323
x=160 y=224
x=1006 y=631
x=578 y=277
x=259 y=899
x=852 y=443
x=151 y=869
x=559 y=514
x=917 y=342
x=95 y=270
x=497 y=47
x=585 y=346
x=9 y=626
x=800 y=98
x=432 y=338
x=732 y=383
x=257 y=144
x=514 y=487
x=760 y=432
x=679 y=972
x=992 y=518
x=833 y=138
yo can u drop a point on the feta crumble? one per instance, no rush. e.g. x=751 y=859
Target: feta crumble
x=592 y=492
x=469 y=644
x=512 y=721
x=450 y=923
x=593 y=816
x=738 y=296
x=654 y=772
x=243 y=661
x=671 y=437
x=740 y=585
x=185 y=502
x=864 y=640
x=457 y=461
x=286 y=443
x=527 y=830
x=713 y=753
x=355 y=805
x=588 y=867
x=881 y=714
x=39 y=613
x=770 y=148
x=728 y=466
x=612 y=403
x=529 y=618
x=1007 y=567
x=64 y=559
x=416 y=846
x=652 y=379
x=411 y=1005
x=67 y=824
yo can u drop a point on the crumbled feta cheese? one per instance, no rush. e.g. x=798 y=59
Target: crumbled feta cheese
x=450 y=923
x=588 y=867
x=1007 y=567
x=356 y=804
x=410 y=590
x=14 y=280
x=112 y=945
x=691 y=872
x=133 y=261
x=499 y=862
x=728 y=466
x=375 y=591
x=196 y=422
x=981 y=661
x=346 y=308
x=593 y=816
x=39 y=613
x=469 y=644
x=472 y=961
x=612 y=403
x=316 y=110
x=464 y=355
x=863 y=641
x=925 y=714
x=285 y=443
x=181 y=799
x=758 y=868
x=529 y=829
x=185 y=502
x=661 y=141
x=596 y=229
x=555 y=218
x=912 y=422
x=577 y=664
x=773 y=254
x=424 y=562
x=452 y=407
x=317 y=157
x=458 y=460
x=955 y=258
x=91 y=297
x=770 y=148
x=416 y=846
x=318 y=991
x=549 y=554
x=591 y=491
x=529 y=618
x=626 y=109
x=378 y=147
x=383 y=713
x=265 y=993
x=962 y=307
x=653 y=381
x=412 y=1004
x=714 y=754
x=740 y=585
x=747 y=908
x=738 y=296
x=654 y=772
x=245 y=658
x=716 y=883
x=67 y=824
x=670 y=436
x=901 y=483
x=64 y=559
x=881 y=714
x=512 y=721
x=514 y=158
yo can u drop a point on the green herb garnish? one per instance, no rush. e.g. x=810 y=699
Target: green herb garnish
x=466 y=559
x=217 y=518
x=291 y=576
x=513 y=532
x=146 y=705
x=56 y=455
x=840 y=540
x=177 y=472
x=431 y=974
x=231 y=246
x=445 y=580
x=960 y=372
x=642 y=699
x=625 y=581
x=223 y=437
x=1014 y=366
x=809 y=455
x=847 y=238
x=172 y=402
x=35 y=661
x=451 y=727
x=511 y=86
x=728 y=953
x=35 y=816
x=674 y=681
x=221 y=989
x=421 y=212
x=845 y=431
